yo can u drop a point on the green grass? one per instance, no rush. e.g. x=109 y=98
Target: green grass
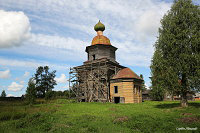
x=66 y=116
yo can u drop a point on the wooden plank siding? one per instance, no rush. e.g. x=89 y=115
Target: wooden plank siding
x=126 y=90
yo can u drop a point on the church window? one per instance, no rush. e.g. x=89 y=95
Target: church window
x=116 y=89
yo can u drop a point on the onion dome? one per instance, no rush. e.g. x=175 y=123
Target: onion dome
x=126 y=73
x=100 y=38
x=99 y=26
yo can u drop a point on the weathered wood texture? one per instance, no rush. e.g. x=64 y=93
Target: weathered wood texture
x=126 y=89
x=90 y=82
x=101 y=51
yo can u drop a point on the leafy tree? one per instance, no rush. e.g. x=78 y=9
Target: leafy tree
x=31 y=91
x=50 y=95
x=44 y=80
x=175 y=65
x=66 y=93
x=143 y=87
x=59 y=93
x=3 y=94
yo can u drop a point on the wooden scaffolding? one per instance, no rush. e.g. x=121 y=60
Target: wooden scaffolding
x=90 y=82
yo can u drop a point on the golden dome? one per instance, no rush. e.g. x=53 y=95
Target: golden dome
x=101 y=39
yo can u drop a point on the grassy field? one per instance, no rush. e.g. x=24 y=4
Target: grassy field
x=65 y=116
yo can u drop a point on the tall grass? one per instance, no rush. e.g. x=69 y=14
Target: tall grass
x=68 y=116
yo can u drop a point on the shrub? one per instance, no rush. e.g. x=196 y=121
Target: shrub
x=49 y=95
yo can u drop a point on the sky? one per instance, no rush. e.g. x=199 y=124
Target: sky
x=56 y=32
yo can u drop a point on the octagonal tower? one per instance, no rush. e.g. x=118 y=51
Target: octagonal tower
x=101 y=46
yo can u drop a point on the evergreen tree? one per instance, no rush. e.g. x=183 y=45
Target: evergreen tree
x=44 y=80
x=157 y=94
x=31 y=91
x=3 y=94
x=143 y=87
x=176 y=62
x=158 y=89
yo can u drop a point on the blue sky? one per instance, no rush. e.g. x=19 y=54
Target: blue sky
x=56 y=32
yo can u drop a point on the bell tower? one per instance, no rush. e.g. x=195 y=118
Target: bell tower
x=100 y=46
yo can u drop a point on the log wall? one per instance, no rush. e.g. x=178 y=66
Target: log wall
x=126 y=90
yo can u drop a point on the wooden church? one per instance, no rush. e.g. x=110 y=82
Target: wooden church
x=101 y=78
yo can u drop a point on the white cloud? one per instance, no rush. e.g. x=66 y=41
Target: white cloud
x=21 y=82
x=3 y=87
x=10 y=95
x=53 y=47
x=23 y=77
x=26 y=74
x=146 y=25
x=147 y=86
x=18 y=63
x=29 y=64
x=5 y=74
x=65 y=87
x=133 y=54
x=62 y=79
x=54 y=41
x=14 y=28
x=15 y=87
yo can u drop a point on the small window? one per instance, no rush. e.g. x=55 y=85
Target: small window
x=116 y=89
x=93 y=57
